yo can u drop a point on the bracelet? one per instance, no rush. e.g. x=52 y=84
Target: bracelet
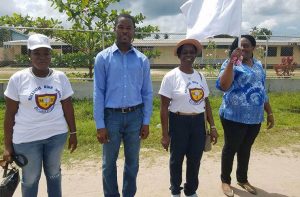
x=71 y=133
x=270 y=114
x=212 y=127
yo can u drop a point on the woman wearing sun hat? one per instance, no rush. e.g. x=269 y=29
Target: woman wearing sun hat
x=184 y=99
x=39 y=113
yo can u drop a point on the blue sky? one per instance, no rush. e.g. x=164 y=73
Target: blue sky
x=281 y=17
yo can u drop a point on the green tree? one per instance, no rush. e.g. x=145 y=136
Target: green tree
x=91 y=22
x=4 y=36
x=93 y=15
x=18 y=20
x=223 y=36
x=209 y=59
x=157 y=36
x=260 y=33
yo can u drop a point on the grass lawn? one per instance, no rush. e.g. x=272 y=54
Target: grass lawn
x=286 y=133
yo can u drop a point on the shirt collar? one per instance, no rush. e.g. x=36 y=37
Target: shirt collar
x=115 y=48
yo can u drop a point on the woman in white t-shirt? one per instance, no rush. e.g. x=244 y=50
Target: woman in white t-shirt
x=39 y=113
x=184 y=99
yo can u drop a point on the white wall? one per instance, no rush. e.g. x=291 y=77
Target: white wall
x=85 y=89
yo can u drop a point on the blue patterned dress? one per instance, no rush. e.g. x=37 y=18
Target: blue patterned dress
x=244 y=101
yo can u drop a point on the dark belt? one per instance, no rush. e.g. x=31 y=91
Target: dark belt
x=186 y=114
x=127 y=109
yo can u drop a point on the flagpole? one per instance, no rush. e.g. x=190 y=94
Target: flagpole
x=239 y=42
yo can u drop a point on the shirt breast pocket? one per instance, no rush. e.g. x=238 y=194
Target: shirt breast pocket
x=135 y=72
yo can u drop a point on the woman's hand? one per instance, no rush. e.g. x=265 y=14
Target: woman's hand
x=72 y=142
x=7 y=154
x=214 y=135
x=236 y=56
x=165 y=141
x=270 y=121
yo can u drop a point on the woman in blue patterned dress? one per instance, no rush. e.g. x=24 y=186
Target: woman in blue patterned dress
x=242 y=79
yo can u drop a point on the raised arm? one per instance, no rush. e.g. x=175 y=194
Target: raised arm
x=227 y=76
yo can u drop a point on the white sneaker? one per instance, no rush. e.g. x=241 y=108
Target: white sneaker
x=177 y=195
x=194 y=195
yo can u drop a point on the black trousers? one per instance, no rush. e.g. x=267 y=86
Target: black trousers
x=187 y=135
x=238 y=138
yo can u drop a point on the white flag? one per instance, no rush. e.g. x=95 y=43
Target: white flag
x=207 y=18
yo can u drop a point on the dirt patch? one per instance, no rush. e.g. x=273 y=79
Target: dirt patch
x=274 y=175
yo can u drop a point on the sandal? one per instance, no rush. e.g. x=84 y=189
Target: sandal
x=249 y=188
x=227 y=190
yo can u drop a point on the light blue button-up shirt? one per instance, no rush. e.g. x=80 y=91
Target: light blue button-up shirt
x=121 y=80
x=245 y=99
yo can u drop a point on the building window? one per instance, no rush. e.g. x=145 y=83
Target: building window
x=286 y=51
x=67 y=49
x=272 y=51
x=56 y=47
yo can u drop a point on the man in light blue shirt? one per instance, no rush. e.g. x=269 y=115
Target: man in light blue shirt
x=122 y=106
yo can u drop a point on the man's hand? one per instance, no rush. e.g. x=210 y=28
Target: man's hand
x=102 y=135
x=144 y=132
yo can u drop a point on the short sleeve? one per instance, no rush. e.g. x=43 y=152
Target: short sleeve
x=67 y=88
x=218 y=85
x=205 y=86
x=11 y=89
x=166 y=86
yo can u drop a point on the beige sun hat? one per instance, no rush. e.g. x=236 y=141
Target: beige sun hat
x=194 y=42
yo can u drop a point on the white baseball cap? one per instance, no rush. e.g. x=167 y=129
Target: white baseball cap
x=38 y=41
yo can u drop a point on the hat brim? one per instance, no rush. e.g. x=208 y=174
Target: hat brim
x=40 y=46
x=193 y=42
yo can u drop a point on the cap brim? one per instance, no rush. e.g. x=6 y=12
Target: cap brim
x=39 y=46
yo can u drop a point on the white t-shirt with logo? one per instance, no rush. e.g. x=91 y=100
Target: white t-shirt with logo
x=186 y=91
x=40 y=113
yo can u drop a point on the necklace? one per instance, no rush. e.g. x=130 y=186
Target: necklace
x=49 y=73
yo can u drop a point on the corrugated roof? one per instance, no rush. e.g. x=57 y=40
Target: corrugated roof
x=24 y=42
x=219 y=41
